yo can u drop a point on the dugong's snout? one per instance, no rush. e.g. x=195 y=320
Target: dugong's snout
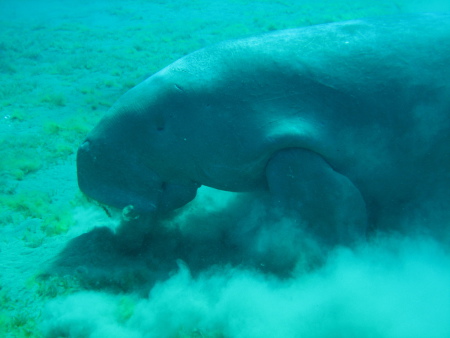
x=117 y=178
x=103 y=178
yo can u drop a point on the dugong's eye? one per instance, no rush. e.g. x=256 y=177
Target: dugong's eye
x=159 y=123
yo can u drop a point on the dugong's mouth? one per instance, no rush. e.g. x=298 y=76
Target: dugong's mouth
x=118 y=179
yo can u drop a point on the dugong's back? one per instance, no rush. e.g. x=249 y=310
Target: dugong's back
x=375 y=89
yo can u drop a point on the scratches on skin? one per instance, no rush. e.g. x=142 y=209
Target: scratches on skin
x=179 y=88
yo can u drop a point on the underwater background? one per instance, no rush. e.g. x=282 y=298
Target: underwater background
x=62 y=65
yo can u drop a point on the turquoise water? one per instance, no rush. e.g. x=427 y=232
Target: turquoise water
x=62 y=65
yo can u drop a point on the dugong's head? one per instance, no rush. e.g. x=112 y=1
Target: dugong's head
x=131 y=156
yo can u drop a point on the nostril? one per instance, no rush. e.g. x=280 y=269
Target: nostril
x=85 y=146
x=85 y=154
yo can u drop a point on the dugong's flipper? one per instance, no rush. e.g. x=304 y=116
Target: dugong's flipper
x=332 y=208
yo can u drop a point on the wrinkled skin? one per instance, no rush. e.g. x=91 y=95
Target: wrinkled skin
x=361 y=110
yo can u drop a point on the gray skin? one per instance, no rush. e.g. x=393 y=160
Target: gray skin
x=346 y=125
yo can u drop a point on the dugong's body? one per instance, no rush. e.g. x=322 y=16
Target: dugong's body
x=345 y=124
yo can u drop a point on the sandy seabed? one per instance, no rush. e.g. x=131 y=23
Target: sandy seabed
x=62 y=65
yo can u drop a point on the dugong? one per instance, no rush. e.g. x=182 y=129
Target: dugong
x=345 y=125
